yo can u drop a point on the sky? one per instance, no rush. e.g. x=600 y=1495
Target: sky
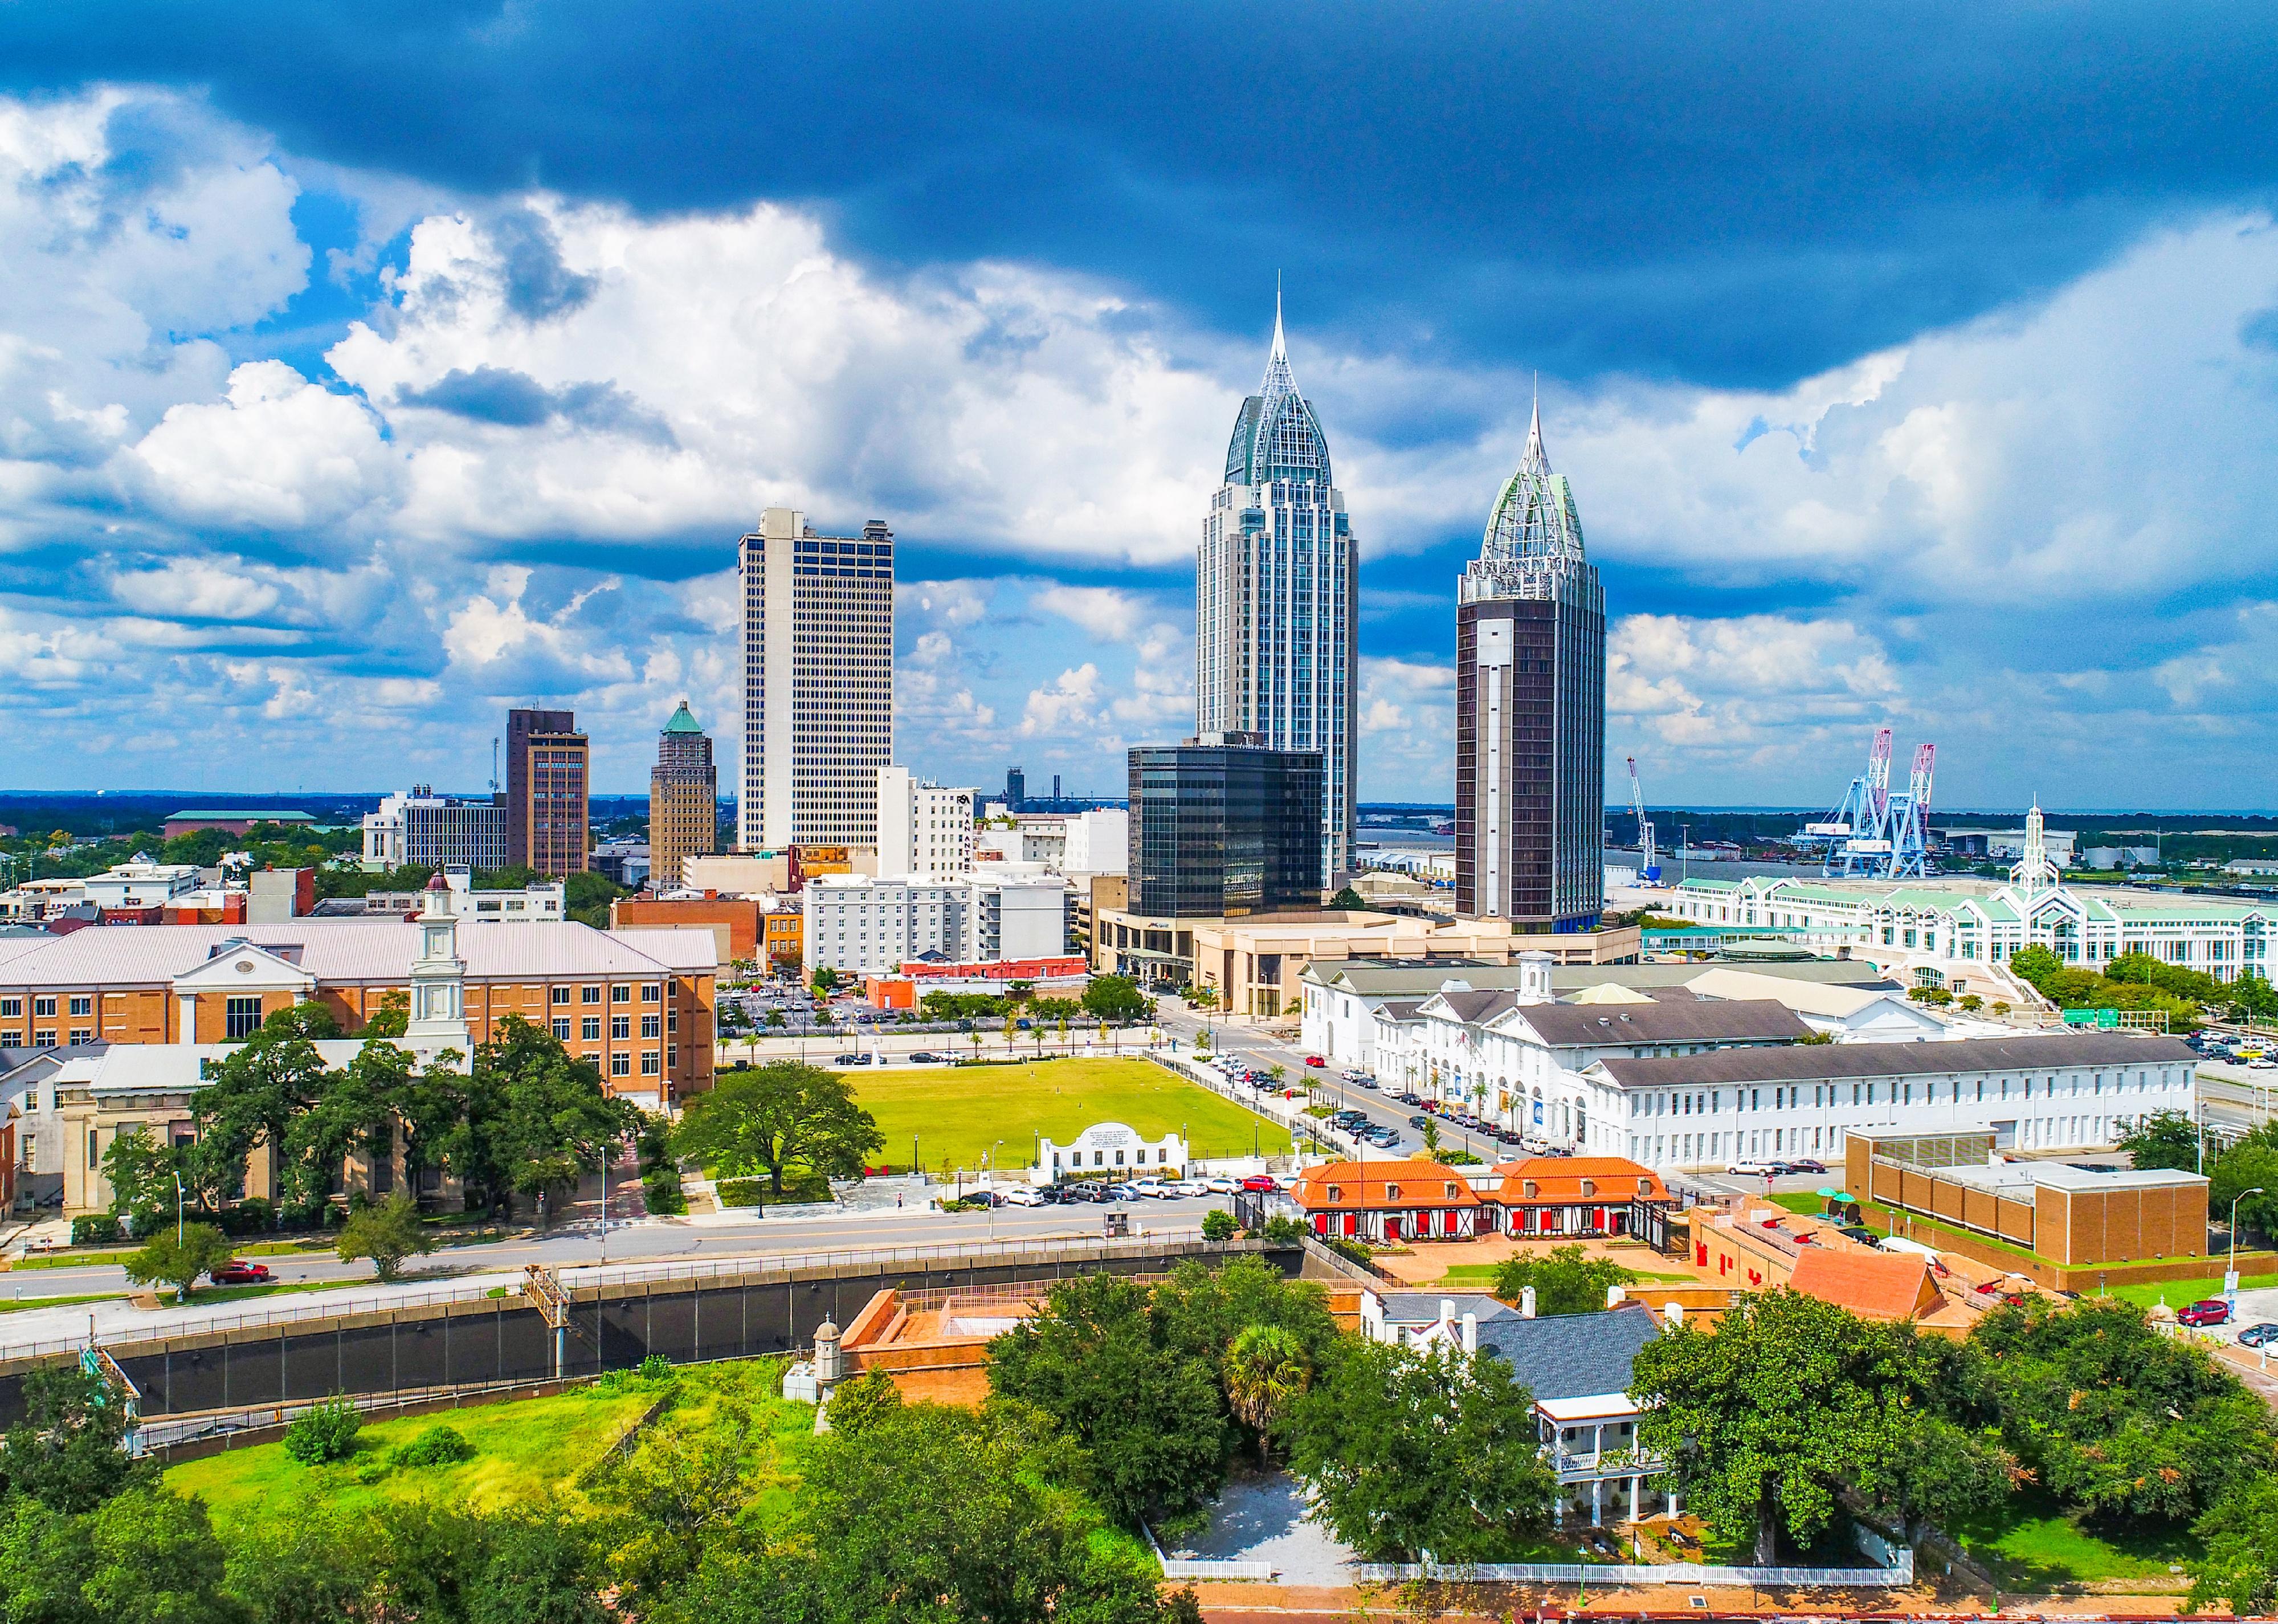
x=365 y=372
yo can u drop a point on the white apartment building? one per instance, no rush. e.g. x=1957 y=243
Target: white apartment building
x=818 y=655
x=1094 y=842
x=863 y=926
x=922 y=827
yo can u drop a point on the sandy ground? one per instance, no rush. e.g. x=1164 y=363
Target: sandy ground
x=1424 y=1262
x=1241 y=1603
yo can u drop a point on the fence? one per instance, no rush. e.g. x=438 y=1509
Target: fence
x=1899 y=1575
x=1012 y=1249
x=1204 y=1567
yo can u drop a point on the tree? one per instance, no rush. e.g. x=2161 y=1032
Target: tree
x=2238 y=1563
x=826 y=981
x=1219 y=1225
x=681 y=1490
x=2163 y=1139
x=1116 y=997
x=253 y=1094
x=2114 y=1419
x=1564 y=1281
x=141 y=1175
x=1406 y=1451
x=1770 y=1417
x=859 y=1404
x=200 y=1249
x=66 y=1452
x=392 y=1019
x=1810 y=1040
x=1429 y=1133
x=534 y=1118
x=1970 y=1002
x=1349 y=899
x=1149 y=1416
x=153 y=1558
x=2250 y=1164
x=586 y=896
x=931 y=1514
x=1267 y=1369
x=352 y=1110
x=767 y=1117
x=387 y=1233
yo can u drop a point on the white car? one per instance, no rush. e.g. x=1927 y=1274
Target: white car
x=1021 y=1195
x=1755 y=1170
x=1220 y=1185
x=1153 y=1189
x=1189 y=1186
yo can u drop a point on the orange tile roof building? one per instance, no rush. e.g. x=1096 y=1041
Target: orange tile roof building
x=1389 y=1201
x=1886 y=1286
x=1572 y=1195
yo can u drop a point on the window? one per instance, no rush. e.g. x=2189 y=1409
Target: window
x=560 y=995
x=620 y=1027
x=590 y=1029
x=561 y=1029
x=242 y=1017
x=82 y=1004
x=1392 y=1192
x=82 y=1034
x=12 y=1008
x=652 y=1026
x=672 y=1020
x=13 y=1039
x=621 y=1065
x=650 y=1062
x=651 y=993
x=44 y=1038
x=43 y=1006
x=620 y=995
x=1336 y=1194
x=672 y=1056
x=589 y=995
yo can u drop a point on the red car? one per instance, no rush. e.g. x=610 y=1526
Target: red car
x=1260 y=1182
x=1315 y=1059
x=2207 y=1311
x=236 y=1272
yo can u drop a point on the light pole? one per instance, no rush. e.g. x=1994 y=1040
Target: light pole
x=178 y=1212
x=2234 y=1200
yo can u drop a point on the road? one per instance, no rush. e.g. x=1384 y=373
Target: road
x=577 y=1242
x=1183 y=1023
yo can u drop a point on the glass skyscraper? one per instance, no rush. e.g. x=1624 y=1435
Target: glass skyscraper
x=1531 y=712
x=1275 y=639
x=1223 y=826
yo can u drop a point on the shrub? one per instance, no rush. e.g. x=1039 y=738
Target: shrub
x=326 y=1432
x=96 y=1229
x=439 y=1446
x=664 y=1198
x=1218 y=1225
x=741 y=1192
x=251 y=1216
x=1283 y=1230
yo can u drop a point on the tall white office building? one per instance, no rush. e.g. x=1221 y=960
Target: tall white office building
x=922 y=828
x=1275 y=639
x=818 y=646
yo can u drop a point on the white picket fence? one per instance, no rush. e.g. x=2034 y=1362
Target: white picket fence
x=1899 y=1575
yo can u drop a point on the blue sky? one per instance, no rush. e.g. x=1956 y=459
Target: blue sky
x=1913 y=364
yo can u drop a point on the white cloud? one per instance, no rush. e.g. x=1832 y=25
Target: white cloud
x=1065 y=705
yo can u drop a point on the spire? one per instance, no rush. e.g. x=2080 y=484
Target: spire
x=1278 y=378
x=1277 y=436
x=1536 y=461
x=1534 y=518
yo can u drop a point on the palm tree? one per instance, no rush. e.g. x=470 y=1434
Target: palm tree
x=1266 y=1368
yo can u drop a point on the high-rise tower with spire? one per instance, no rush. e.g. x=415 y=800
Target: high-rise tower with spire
x=1531 y=711
x=1275 y=639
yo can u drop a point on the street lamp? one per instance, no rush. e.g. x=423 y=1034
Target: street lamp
x=2234 y=1200
x=178 y=1210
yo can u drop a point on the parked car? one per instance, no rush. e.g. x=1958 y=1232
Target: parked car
x=1755 y=1170
x=849 y=1059
x=1382 y=1137
x=926 y=1057
x=237 y=1271
x=1419 y=1122
x=2258 y=1335
x=1190 y=1187
x=1021 y=1195
x=1367 y=1082
x=981 y=1196
x=1807 y=1165
x=1084 y=1189
x=1121 y=1192
x=1218 y=1183
x=1860 y=1233
x=1153 y=1189
x=1260 y=1184
x=2207 y=1311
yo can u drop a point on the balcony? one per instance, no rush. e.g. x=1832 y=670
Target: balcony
x=1576 y=1465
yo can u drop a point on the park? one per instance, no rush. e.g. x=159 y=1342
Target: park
x=956 y=1116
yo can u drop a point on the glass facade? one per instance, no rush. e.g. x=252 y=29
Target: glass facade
x=1223 y=830
x=1531 y=712
x=1275 y=638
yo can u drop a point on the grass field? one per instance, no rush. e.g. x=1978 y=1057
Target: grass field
x=524 y=1448
x=2033 y=1546
x=958 y=1114
x=2179 y=1292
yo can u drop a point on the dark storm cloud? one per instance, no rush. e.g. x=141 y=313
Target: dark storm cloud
x=1738 y=194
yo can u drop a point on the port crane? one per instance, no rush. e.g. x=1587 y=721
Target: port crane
x=1648 y=866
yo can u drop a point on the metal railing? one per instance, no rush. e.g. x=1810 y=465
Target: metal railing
x=579 y=1277
x=1899 y=1575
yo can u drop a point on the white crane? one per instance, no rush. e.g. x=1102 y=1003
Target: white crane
x=1648 y=870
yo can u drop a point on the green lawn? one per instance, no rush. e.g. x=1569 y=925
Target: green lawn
x=524 y=1449
x=2179 y=1292
x=2032 y=1546
x=959 y=1113
x=1483 y=1274
x=14 y=1307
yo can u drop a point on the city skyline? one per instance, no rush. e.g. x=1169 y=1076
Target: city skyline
x=337 y=438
